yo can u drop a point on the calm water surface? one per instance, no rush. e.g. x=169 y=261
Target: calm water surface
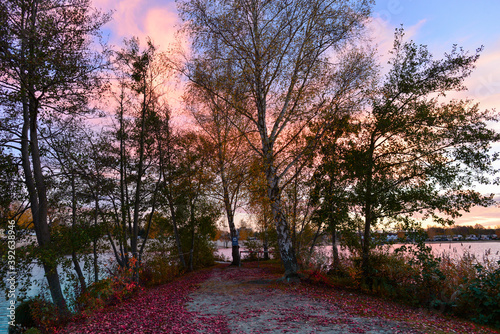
x=479 y=249
x=37 y=280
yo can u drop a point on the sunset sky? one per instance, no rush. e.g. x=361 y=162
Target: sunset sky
x=438 y=24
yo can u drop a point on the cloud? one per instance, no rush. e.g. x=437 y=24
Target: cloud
x=484 y=83
x=488 y=217
x=161 y=25
x=155 y=19
x=381 y=33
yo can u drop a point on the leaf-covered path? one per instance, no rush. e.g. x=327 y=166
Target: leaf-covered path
x=251 y=300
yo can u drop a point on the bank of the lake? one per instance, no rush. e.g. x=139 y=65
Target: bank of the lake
x=38 y=284
x=480 y=249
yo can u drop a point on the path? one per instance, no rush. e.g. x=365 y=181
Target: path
x=252 y=303
x=251 y=299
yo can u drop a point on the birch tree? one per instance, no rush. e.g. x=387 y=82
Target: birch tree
x=282 y=66
x=139 y=114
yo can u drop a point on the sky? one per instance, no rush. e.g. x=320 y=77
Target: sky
x=439 y=24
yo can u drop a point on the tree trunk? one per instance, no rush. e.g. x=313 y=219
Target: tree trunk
x=365 y=257
x=38 y=196
x=287 y=251
x=335 y=251
x=94 y=241
x=316 y=235
x=79 y=273
x=193 y=235
x=137 y=200
x=232 y=228
x=176 y=231
x=123 y=240
x=265 y=242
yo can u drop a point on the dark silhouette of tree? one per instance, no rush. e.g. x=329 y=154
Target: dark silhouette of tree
x=413 y=152
x=48 y=69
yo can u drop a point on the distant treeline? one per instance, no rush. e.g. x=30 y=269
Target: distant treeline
x=463 y=230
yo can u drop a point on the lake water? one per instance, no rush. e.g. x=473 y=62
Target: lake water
x=38 y=280
x=479 y=249
x=491 y=249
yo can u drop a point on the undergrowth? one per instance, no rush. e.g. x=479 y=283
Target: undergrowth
x=461 y=286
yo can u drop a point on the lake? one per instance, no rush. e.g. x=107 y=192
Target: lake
x=454 y=249
x=37 y=278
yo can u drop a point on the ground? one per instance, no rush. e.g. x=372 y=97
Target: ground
x=253 y=299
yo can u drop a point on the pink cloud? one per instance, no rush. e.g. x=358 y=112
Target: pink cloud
x=488 y=217
x=156 y=19
x=161 y=25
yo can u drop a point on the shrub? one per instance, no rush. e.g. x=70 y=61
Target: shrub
x=427 y=277
x=120 y=286
x=24 y=316
x=158 y=269
x=33 y=330
x=479 y=298
x=96 y=296
x=253 y=246
x=46 y=315
x=393 y=275
x=412 y=274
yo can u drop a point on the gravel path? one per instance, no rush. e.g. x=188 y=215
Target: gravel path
x=253 y=302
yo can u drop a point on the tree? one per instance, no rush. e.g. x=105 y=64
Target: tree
x=172 y=171
x=299 y=208
x=188 y=184
x=64 y=148
x=80 y=184
x=140 y=112
x=197 y=181
x=258 y=204
x=47 y=69
x=269 y=61
x=229 y=152
x=9 y=183
x=414 y=152
x=330 y=184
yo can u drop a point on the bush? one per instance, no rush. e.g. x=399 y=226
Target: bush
x=479 y=298
x=204 y=253
x=96 y=296
x=393 y=275
x=46 y=315
x=253 y=246
x=112 y=290
x=33 y=330
x=24 y=315
x=159 y=269
x=427 y=278
x=412 y=274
